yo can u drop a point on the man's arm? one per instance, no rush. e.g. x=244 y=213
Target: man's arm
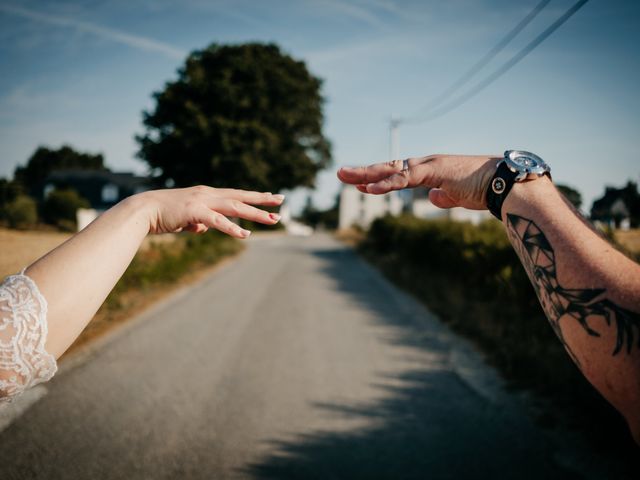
x=589 y=291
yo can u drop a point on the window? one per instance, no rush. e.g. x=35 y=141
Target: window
x=48 y=188
x=110 y=193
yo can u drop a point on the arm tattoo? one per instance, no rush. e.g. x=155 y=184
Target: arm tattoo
x=584 y=306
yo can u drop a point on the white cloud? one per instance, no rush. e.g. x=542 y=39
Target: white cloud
x=134 y=41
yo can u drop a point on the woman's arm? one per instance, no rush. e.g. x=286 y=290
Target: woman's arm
x=76 y=277
x=589 y=291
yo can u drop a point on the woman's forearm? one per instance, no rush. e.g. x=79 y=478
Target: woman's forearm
x=77 y=276
x=589 y=291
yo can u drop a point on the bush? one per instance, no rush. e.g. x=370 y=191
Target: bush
x=21 y=212
x=60 y=207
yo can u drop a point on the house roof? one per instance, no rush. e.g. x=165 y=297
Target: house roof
x=121 y=179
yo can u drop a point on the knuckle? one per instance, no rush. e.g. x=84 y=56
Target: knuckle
x=235 y=206
x=216 y=219
x=395 y=164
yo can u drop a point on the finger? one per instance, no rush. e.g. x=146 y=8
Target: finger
x=235 y=208
x=246 y=196
x=218 y=221
x=397 y=181
x=441 y=199
x=421 y=173
x=370 y=174
x=362 y=188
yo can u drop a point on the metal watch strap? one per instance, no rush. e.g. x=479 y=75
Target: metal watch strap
x=499 y=188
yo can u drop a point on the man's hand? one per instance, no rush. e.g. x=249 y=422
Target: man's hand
x=455 y=180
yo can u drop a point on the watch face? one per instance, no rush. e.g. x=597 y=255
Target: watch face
x=525 y=162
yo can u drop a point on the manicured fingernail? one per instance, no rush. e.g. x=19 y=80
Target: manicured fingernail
x=279 y=196
x=275 y=216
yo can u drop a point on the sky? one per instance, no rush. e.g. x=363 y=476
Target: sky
x=82 y=72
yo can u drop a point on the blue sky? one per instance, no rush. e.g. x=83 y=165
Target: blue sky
x=81 y=72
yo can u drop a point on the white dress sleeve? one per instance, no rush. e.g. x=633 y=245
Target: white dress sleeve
x=23 y=332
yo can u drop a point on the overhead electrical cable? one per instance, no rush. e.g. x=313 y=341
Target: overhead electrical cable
x=480 y=64
x=480 y=86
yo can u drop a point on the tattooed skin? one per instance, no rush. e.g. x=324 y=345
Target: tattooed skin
x=585 y=306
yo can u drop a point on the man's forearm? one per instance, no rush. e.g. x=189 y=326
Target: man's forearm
x=589 y=291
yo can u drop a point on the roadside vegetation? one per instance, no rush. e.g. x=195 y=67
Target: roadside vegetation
x=472 y=279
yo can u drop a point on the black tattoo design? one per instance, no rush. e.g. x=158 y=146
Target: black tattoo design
x=583 y=305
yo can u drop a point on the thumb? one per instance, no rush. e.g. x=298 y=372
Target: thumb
x=441 y=199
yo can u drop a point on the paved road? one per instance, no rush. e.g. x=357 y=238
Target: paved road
x=295 y=361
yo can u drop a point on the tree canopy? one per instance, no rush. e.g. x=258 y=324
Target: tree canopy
x=45 y=160
x=245 y=116
x=571 y=194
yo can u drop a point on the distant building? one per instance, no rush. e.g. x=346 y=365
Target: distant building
x=361 y=209
x=420 y=206
x=357 y=208
x=614 y=207
x=101 y=188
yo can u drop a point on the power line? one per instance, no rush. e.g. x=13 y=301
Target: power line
x=479 y=65
x=503 y=69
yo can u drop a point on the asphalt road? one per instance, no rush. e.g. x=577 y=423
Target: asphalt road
x=295 y=361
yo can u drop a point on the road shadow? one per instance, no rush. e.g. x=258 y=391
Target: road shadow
x=428 y=424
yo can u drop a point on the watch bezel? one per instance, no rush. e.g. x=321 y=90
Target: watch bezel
x=523 y=173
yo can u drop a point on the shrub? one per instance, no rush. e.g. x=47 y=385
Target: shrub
x=60 y=207
x=21 y=212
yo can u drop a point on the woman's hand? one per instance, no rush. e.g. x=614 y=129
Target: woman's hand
x=455 y=180
x=197 y=209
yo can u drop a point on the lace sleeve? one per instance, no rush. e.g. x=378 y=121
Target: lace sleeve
x=23 y=332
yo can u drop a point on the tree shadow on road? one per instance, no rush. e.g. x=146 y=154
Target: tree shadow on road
x=427 y=424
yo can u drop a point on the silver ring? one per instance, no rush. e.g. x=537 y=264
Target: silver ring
x=405 y=164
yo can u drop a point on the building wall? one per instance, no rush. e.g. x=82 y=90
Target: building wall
x=361 y=209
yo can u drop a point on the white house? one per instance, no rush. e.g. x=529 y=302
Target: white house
x=421 y=207
x=361 y=209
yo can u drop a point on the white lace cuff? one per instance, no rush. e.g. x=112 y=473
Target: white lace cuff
x=23 y=332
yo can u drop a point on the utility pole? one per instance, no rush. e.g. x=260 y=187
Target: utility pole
x=394 y=143
x=394 y=154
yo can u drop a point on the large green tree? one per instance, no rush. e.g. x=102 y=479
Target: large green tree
x=46 y=160
x=247 y=116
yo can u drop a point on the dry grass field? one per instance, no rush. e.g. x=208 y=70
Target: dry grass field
x=19 y=248
x=629 y=239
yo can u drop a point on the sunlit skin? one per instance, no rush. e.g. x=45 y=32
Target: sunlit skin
x=77 y=276
x=583 y=261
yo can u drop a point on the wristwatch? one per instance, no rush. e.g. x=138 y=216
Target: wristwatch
x=516 y=166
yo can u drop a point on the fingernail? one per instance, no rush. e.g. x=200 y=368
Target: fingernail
x=268 y=193
x=278 y=197
x=275 y=216
x=245 y=233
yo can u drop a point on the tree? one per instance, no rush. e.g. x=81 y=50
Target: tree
x=60 y=207
x=21 y=212
x=571 y=194
x=45 y=160
x=324 y=218
x=246 y=116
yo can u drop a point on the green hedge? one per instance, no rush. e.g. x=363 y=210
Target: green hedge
x=472 y=279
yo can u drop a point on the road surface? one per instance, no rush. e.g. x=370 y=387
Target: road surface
x=296 y=360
